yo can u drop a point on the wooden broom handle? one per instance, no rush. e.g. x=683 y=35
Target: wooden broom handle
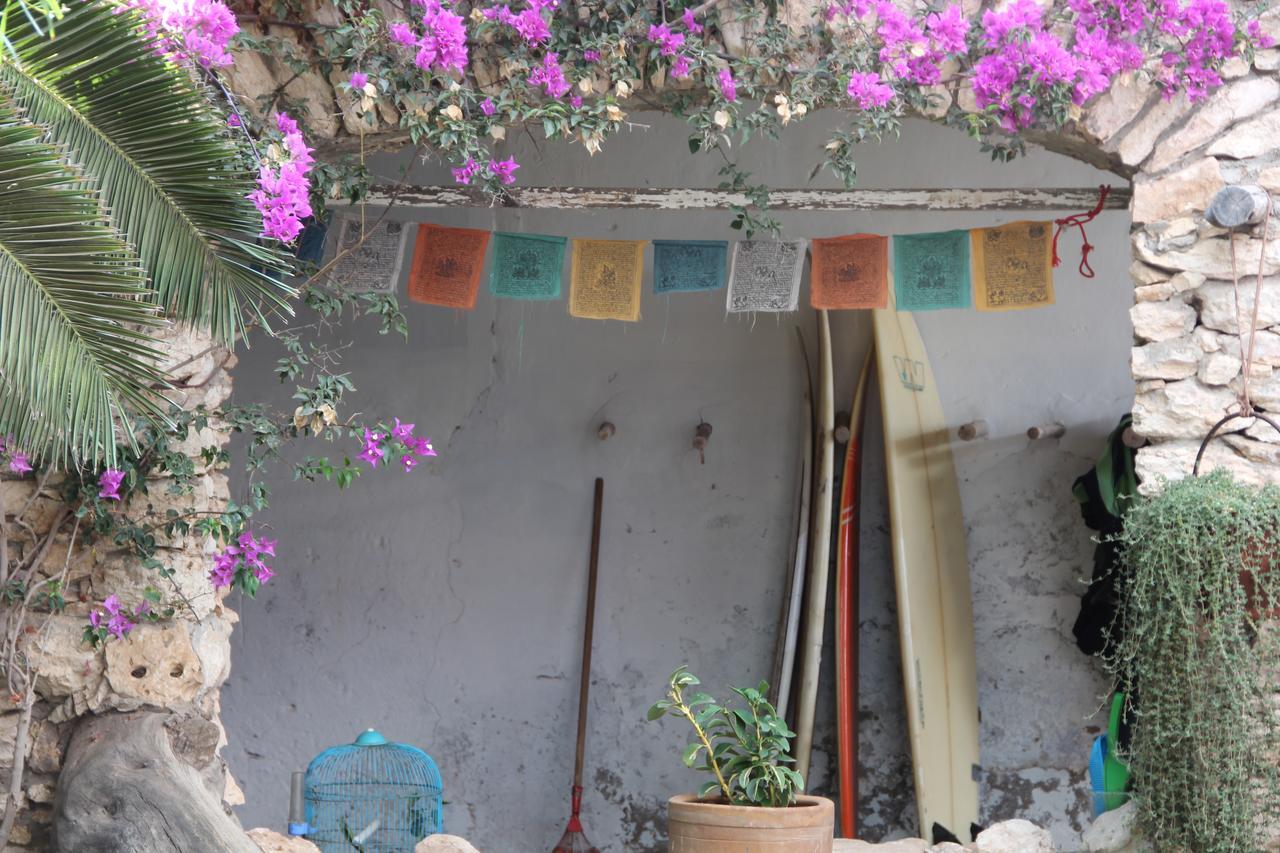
x=586 y=637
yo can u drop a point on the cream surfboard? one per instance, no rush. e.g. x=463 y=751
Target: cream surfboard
x=819 y=553
x=931 y=572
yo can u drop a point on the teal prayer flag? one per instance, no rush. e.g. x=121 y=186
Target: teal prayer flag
x=526 y=266
x=931 y=271
x=682 y=266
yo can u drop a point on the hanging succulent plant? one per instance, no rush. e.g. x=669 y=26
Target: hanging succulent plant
x=1198 y=652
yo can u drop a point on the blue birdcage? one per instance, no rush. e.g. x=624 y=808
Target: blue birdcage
x=372 y=795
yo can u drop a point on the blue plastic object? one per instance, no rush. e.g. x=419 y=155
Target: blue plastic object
x=372 y=795
x=1097 y=774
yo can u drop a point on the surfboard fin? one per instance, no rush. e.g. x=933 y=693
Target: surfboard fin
x=942 y=834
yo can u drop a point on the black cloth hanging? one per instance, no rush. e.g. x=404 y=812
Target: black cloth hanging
x=1104 y=494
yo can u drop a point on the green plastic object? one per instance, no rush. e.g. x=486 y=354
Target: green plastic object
x=1115 y=773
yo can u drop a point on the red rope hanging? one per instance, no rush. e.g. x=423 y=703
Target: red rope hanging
x=1078 y=221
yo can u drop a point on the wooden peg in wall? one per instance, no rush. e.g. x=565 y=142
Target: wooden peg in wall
x=973 y=430
x=1237 y=205
x=842 y=432
x=1052 y=430
x=701 y=435
x=1131 y=439
x=605 y=431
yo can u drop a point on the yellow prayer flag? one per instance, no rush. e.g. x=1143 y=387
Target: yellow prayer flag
x=606 y=279
x=1013 y=266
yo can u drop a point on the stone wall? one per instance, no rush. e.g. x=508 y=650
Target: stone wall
x=175 y=667
x=1186 y=363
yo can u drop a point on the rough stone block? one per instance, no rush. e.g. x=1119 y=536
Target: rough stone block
x=1176 y=358
x=1218 y=368
x=1216 y=301
x=65 y=666
x=1118 y=106
x=1158 y=292
x=1135 y=145
x=1114 y=832
x=1160 y=321
x=1183 y=409
x=1249 y=139
x=270 y=841
x=1143 y=274
x=1178 y=194
x=1014 y=836
x=1210 y=257
x=1232 y=103
x=444 y=844
x=154 y=665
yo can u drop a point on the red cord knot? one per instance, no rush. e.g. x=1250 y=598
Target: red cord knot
x=1078 y=221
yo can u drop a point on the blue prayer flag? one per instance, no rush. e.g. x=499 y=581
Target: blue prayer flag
x=689 y=265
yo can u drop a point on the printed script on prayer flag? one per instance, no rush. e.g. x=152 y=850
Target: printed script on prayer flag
x=765 y=275
x=372 y=266
x=850 y=272
x=689 y=265
x=526 y=266
x=447 y=263
x=605 y=283
x=931 y=271
x=1013 y=265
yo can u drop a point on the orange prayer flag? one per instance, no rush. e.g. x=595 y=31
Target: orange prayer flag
x=850 y=272
x=447 y=263
x=1013 y=266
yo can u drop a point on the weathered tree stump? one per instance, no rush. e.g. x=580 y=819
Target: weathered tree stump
x=144 y=782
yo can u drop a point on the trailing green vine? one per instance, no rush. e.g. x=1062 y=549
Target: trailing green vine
x=1197 y=655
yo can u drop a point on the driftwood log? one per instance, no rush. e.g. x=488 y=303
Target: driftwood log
x=144 y=782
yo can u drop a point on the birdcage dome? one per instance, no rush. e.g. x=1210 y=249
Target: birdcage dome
x=372 y=795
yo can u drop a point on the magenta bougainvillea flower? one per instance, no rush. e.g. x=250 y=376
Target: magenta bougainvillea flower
x=243 y=563
x=109 y=484
x=505 y=170
x=19 y=463
x=283 y=196
x=464 y=173
x=358 y=79
x=867 y=90
x=728 y=86
x=190 y=30
x=550 y=76
x=691 y=22
x=372 y=451
x=669 y=43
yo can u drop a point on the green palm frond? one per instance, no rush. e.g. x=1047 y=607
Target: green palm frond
x=42 y=14
x=143 y=132
x=74 y=309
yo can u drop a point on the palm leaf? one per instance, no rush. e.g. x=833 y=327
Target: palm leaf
x=162 y=159
x=74 y=313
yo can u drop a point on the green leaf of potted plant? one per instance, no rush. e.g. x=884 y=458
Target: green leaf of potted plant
x=753 y=797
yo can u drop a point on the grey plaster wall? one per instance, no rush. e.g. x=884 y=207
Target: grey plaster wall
x=445 y=606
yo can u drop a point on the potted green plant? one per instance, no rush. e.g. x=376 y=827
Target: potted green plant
x=752 y=800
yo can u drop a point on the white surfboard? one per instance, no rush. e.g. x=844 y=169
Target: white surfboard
x=819 y=553
x=793 y=593
x=931 y=572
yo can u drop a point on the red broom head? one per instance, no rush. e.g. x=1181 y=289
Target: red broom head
x=573 y=841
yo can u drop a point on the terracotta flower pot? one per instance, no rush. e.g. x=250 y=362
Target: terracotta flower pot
x=707 y=826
